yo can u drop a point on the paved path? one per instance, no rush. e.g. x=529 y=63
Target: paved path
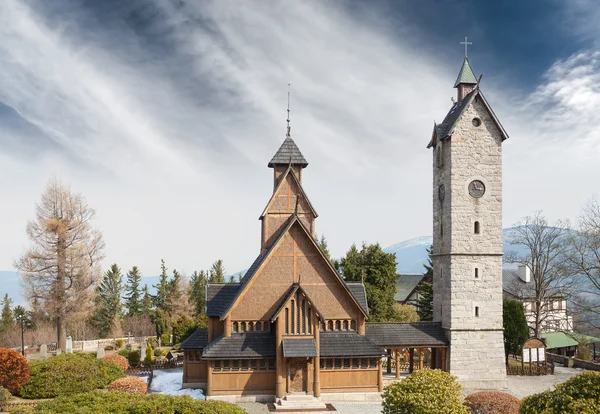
x=518 y=386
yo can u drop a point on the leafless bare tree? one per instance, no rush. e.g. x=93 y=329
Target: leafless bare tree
x=546 y=252
x=62 y=266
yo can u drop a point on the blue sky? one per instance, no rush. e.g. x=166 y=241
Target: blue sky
x=164 y=114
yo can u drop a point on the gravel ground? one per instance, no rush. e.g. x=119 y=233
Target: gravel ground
x=518 y=386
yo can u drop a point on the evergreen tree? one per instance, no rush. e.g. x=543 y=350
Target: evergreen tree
x=377 y=270
x=7 y=320
x=516 y=330
x=240 y=276
x=133 y=299
x=322 y=242
x=108 y=301
x=162 y=323
x=162 y=288
x=232 y=279
x=147 y=303
x=217 y=272
x=425 y=290
x=197 y=291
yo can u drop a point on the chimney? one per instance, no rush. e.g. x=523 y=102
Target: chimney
x=524 y=273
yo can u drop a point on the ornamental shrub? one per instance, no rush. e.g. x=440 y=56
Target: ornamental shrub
x=68 y=374
x=165 y=339
x=118 y=360
x=14 y=370
x=492 y=402
x=123 y=403
x=130 y=385
x=4 y=395
x=158 y=352
x=149 y=356
x=579 y=394
x=119 y=343
x=424 y=392
x=134 y=358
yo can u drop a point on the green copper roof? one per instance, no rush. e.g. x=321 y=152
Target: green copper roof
x=564 y=339
x=466 y=74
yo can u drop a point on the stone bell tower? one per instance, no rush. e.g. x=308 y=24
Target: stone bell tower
x=467 y=235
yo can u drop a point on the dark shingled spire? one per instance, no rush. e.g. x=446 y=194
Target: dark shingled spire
x=287 y=154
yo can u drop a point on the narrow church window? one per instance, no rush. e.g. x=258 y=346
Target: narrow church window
x=304 y=316
x=243 y=327
x=226 y=366
x=441 y=273
x=364 y=363
x=476 y=227
x=338 y=363
x=217 y=365
x=328 y=363
x=346 y=362
x=262 y=364
x=322 y=364
x=292 y=317
x=251 y=326
x=355 y=362
x=271 y=364
x=309 y=320
x=253 y=364
x=373 y=363
x=259 y=326
x=266 y=326
x=244 y=365
x=330 y=325
x=298 y=315
x=287 y=321
x=338 y=326
x=477 y=311
x=353 y=325
x=441 y=228
x=190 y=356
x=345 y=325
x=476 y=273
x=235 y=327
x=235 y=366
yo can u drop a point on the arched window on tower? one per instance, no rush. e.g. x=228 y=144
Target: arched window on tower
x=477 y=311
x=476 y=273
x=476 y=228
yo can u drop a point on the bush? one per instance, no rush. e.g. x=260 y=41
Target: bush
x=124 y=353
x=129 y=385
x=158 y=352
x=119 y=343
x=165 y=339
x=4 y=395
x=492 y=402
x=14 y=370
x=149 y=357
x=579 y=394
x=423 y=392
x=183 y=327
x=134 y=358
x=19 y=409
x=123 y=403
x=118 y=360
x=68 y=374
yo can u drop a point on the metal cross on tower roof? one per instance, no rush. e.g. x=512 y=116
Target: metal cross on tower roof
x=466 y=44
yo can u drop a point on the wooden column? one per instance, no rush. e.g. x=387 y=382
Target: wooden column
x=279 y=361
x=389 y=361
x=209 y=378
x=317 y=330
x=397 y=359
x=444 y=350
x=421 y=354
x=411 y=364
x=361 y=326
x=380 y=375
x=227 y=326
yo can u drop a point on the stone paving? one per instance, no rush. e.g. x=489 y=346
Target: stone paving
x=518 y=386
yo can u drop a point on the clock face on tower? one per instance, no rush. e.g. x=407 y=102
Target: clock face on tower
x=441 y=192
x=476 y=188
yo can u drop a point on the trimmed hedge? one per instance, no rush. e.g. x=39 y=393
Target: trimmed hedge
x=580 y=394
x=129 y=385
x=423 y=392
x=14 y=370
x=492 y=402
x=68 y=374
x=118 y=360
x=123 y=403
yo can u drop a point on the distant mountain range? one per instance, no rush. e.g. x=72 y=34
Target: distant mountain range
x=410 y=257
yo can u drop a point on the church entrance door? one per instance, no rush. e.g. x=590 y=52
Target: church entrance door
x=298 y=374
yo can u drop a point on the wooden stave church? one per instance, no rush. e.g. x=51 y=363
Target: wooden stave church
x=293 y=324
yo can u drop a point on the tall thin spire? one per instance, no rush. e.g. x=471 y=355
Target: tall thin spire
x=288 y=134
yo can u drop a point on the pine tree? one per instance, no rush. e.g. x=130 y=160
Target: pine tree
x=162 y=288
x=231 y=279
x=516 y=330
x=197 y=291
x=108 y=301
x=377 y=270
x=425 y=290
x=133 y=299
x=240 y=276
x=147 y=303
x=217 y=272
x=7 y=320
x=322 y=242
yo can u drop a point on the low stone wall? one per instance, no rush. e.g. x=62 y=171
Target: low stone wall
x=574 y=362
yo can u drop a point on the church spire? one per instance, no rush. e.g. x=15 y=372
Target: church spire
x=466 y=80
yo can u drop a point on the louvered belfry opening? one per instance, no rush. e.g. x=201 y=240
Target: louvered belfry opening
x=298 y=316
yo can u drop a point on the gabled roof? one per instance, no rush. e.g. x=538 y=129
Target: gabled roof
x=517 y=287
x=406 y=285
x=466 y=74
x=347 y=344
x=446 y=128
x=197 y=340
x=219 y=296
x=400 y=334
x=290 y=170
x=294 y=219
x=248 y=345
x=360 y=294
x=288 y=153
x=291 y=292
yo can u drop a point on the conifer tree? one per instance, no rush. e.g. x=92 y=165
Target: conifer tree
x=162 y=288
x=133 y=298
x=516 y=330
x=197 y=291
x=217 y=272
x=108 y=301
x=178 y=300
x=147 y=303
x=231 y=279
x=377 y=269
x=425 y=290
x=7 y=320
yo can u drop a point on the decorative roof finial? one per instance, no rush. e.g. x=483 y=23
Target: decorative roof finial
x=288 y=134
x=466 y=43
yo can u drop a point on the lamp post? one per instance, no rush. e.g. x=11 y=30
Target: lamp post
x=22 y=317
